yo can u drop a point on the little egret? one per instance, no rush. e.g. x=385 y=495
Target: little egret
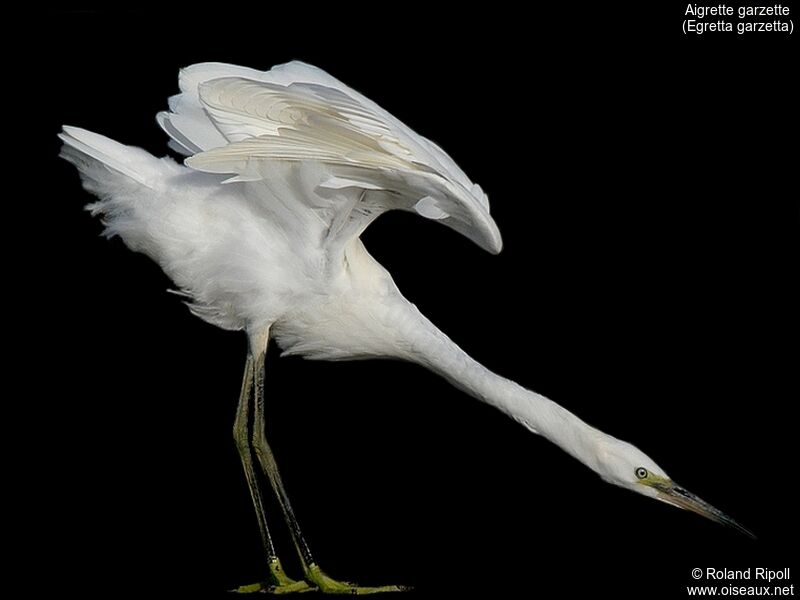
x=260 y=230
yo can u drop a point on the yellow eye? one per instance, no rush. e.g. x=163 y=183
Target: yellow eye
x=641 y=472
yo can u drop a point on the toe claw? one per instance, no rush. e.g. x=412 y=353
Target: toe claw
x=329 y=585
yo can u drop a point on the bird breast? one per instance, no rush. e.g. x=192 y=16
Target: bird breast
x=362 y=314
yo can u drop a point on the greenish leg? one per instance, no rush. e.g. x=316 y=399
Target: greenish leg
x=277 y=582
x=313 y=574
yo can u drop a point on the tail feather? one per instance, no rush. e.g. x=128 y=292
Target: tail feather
x=90 y=151
x=130 y=184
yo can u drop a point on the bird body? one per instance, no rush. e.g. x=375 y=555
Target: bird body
x=245 y=264
x=278 y=245
x=260 y=227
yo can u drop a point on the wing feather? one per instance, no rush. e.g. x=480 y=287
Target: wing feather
x=237 y=121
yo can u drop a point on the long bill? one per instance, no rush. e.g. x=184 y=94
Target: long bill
x=671 y=493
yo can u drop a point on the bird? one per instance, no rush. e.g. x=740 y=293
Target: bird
x=259 y=229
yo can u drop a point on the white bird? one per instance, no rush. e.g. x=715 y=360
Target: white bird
x=259 y=229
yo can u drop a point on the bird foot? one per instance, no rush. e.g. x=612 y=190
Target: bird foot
x=296 y=587
x=278 y=583
x=328 y=585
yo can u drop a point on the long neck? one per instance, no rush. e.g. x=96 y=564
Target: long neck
x=432 y=349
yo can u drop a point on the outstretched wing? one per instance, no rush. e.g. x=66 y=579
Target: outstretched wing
x=242 y=122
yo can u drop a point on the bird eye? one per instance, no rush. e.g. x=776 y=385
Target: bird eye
x=641 y=472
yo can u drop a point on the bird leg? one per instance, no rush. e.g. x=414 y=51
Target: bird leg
x=313 y=574
x=277 y=582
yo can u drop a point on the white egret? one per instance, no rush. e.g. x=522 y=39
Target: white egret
x=260 y=229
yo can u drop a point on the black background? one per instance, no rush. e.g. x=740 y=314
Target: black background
x=641 y=180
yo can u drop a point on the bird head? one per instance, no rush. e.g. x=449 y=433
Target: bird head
x=625 y=465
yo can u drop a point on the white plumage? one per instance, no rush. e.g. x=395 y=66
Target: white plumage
x=260 y=229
